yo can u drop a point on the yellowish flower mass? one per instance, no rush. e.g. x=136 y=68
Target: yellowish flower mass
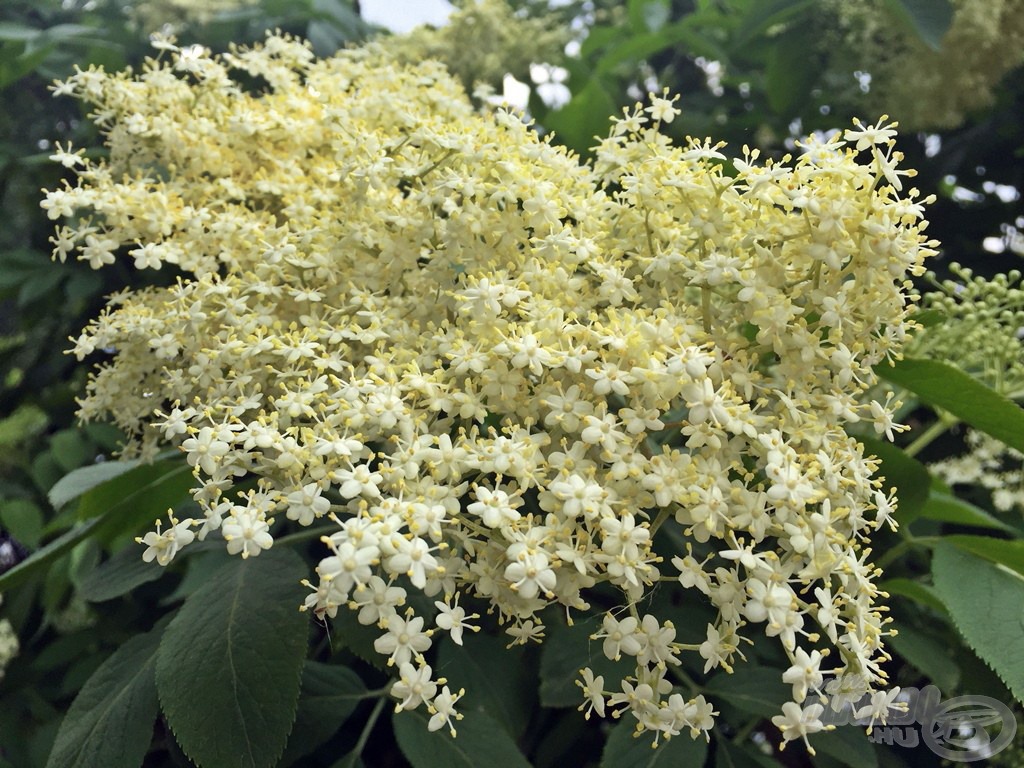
x=495 y=373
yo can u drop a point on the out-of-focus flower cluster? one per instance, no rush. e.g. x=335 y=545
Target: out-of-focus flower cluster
x=482 y=42
x=9 y=645
x=927 y=88
x=982 y=333
x=156 y=15
x=493 y=373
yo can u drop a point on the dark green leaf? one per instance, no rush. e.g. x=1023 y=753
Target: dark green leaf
x=229 y=666
x=43 y=557
x=497 y=679
x=927 y=654
x=788 y=74
x=23 y=520
x=622 y=750
x=909 y=476
x=914 y=590
x=762 y=15
x=118 y=576
x=944 y=386
x=950 y=509
x=848 y=744
x=649 y=15
x=928 y=19
x=75 y=483
x=729 y=755
x=110 y=722
x=565 y=652
x=147 y=491
x=480 y=741
x=758 y=690
x=330 y=693
x=986 y=603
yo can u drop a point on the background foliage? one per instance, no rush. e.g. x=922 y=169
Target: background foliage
x=110 y=657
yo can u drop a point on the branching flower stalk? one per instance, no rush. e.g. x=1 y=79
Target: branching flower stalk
x=470 y=372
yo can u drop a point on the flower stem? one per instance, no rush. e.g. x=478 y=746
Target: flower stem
x=942 y=425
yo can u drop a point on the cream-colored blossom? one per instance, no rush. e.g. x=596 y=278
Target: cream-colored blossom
x=497 y=370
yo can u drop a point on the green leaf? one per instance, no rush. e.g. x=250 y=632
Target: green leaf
x=729 y=755
x=928 y=19
x=944 y=386
x=70 y=449
x=118 y=576
x=230 y=663
x=909 y=476
x=23 y=520
x=75 y=483
x=847 y=744
x=1008 y=553
x=480 y=741
x=110 y=722
x=43 y=557
x=765 y=14
x=578 y=123
x=986 y=603
x=146 y=492
x=914 y=590
x=649 y=15
x=788 y=75
x=926 y=654
x=951 y=509
x=622 y=750
x=565 y=652
x=330 y=693
x=498 y=681
x=758 y=690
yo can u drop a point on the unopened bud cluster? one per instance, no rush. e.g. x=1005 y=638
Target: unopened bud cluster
x=495 y=373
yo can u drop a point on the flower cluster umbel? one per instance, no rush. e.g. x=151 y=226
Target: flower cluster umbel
x=495 y=371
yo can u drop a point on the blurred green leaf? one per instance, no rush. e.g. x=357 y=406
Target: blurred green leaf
x=649 y=15
x=480 y=740
x=758 y=690
x=913 y=590
x=848 y=744
x=564 y=653
x=23 y=520
x=909 y=476
x=79 y=481
x=43 y=557
x=927 y=19
x=625 y=750
x=762 y=15
x=927 y=654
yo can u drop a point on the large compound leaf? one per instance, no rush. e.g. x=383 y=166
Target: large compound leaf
x=986 y=603
x=230 y=663
x=944 y=386
x=110 y=722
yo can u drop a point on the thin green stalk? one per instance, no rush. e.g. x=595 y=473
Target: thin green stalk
x=371 y=721
x=935 y=431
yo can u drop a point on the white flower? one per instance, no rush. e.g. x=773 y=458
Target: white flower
x=442 y=709
x=413 y=686
x=452 y=618
x=404 y=638
x=246 y=531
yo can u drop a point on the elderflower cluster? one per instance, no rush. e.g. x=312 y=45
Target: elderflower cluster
x=492 y=373
x=156 y=15
x=502 y=42
x=9 y=645
x=982 y=333
x=924 y=87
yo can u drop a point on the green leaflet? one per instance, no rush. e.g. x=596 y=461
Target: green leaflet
x=110 y=722
x=622 y=750
x=480 y=741
x=986 y=603
x=229 y=666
